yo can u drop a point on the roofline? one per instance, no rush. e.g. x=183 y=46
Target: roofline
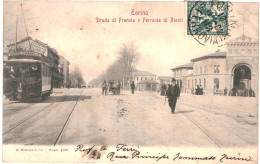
x=207 y=57
x=176 y=68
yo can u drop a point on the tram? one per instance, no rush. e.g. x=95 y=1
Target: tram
x=29 y=70
x=27 y=78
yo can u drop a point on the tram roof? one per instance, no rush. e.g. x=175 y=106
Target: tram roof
x=23 y=61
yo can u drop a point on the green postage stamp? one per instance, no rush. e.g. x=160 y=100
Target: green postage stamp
x=207 y=18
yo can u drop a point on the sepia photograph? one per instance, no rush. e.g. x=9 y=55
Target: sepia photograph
x=130 y=81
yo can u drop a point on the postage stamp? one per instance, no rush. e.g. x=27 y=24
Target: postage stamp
x=207 y=18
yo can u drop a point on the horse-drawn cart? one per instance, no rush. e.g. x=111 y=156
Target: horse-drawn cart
x=115 y=89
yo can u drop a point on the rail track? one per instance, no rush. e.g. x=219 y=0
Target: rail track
x=65 y=124
x=19 y=123
x=211 y=137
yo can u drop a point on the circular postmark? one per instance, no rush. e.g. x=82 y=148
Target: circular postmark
x=209 y=21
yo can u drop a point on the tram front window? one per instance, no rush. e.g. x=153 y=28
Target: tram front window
x=31 y=72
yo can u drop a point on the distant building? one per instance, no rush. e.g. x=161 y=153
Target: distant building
x=145 y=81
x=64 y=67
x=236 y=69
x=163 y=79
x=28 y=45
x=139 y=76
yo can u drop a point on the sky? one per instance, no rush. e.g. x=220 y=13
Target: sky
x=71 y=28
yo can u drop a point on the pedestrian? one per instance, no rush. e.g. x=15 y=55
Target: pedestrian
x=225 y=91
x=173 y=93
x=163 y=89
x=69 y=84
x=133 y=87
x=104 y=88
x=201 y=90
x=119 y=86
x=197 y=90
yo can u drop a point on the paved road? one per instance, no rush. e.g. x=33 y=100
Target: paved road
x=84 y=116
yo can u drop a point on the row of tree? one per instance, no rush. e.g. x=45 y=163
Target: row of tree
x=122 y=69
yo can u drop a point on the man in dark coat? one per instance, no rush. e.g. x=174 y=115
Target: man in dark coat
x=133 y=87
x=172 y=94
x=119 y=86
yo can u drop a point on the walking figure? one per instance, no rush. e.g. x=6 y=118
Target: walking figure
x=119 y=86
x=133 y=87
x=163 y=89
x=172 y=94
x=225 y=91
x=104 y=88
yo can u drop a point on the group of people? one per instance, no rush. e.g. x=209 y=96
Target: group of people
x=240 y=92
x=107 y=87
x=199 y=90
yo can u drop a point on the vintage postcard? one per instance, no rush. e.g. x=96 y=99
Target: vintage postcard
x=130 y=82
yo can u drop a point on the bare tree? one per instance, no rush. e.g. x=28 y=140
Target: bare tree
x=123 y=67
x=128 y=57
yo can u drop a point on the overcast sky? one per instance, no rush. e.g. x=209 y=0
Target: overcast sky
x=71 y=28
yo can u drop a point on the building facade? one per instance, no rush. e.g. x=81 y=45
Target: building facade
x=236 y=69
x=145 y=81
x=181 y=73
x=64 y=66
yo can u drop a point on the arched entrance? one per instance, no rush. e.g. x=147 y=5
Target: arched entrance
x=242 y=77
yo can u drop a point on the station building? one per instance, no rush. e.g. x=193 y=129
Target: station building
x=236 y=68
x=145 y=81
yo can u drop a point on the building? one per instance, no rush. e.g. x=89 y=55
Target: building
x=164 y=79
x=145 y=81
x=180 y=73
x=38 y=48
x=237 y=68
x=64 y=67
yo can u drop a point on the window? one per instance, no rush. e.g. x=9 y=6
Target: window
x=137 y=78
x=230 y=51
x=196 y=71
x=200 y=69
x=236 y=51
x=216 y=68
x=216 y=83
x=141 y=78
x=204 y=83
x=249 y=51
x=243 y=51
x=151 y=78
x=205 y=69
x=188 y=84
x=199 y=81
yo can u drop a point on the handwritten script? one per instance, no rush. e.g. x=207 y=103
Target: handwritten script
x=122 y=151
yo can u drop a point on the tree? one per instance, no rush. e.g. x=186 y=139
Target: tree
x=128 y=57
x=122 y=68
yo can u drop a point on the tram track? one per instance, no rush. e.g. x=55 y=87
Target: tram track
x=204 y=131
x=67 y=120
x=17 y=124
